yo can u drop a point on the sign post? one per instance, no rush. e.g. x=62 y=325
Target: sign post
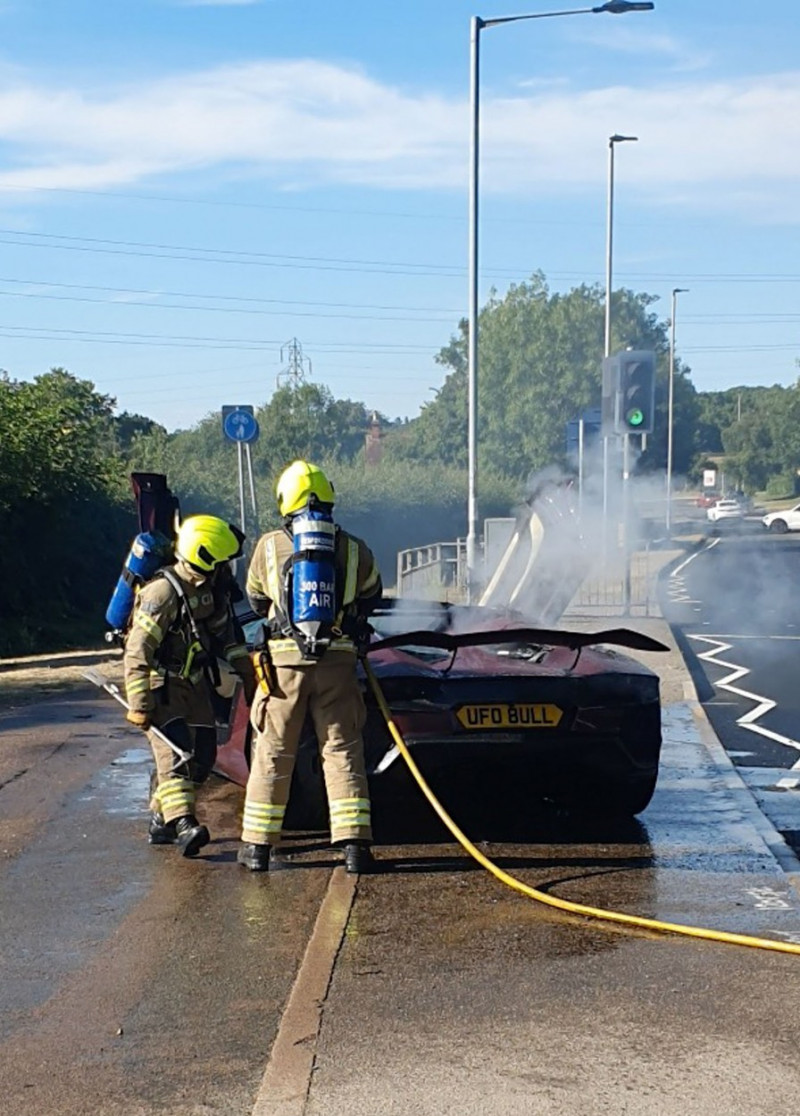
x=239 y=425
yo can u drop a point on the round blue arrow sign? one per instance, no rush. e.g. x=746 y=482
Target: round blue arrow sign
x=240 y=426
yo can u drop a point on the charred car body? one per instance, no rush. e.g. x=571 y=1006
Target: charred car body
x=552 y=714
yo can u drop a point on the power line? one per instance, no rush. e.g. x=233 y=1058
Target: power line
x=226 y=298
x=85 y=299
x=333 y=263
x=220 y=254
x=192 y=341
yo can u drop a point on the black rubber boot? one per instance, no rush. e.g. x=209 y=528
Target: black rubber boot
x=254 y=857
x=358 y=858
x=160 y=832
x=190 y=836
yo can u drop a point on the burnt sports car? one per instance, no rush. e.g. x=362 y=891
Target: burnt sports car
x=488 y=704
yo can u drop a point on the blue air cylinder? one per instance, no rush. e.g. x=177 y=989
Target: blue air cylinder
x=314 y=573
x=148 y=553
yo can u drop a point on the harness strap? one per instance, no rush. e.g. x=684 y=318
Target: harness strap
x=279 y=589
x=210 y=667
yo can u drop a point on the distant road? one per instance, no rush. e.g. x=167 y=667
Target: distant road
x=736 y=605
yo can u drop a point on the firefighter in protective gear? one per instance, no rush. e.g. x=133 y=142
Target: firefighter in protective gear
x=294 y=682
x=182 y=622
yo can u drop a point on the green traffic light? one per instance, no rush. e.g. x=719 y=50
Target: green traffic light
x=635 y=417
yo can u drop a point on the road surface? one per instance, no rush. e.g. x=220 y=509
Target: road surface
x=137 y=983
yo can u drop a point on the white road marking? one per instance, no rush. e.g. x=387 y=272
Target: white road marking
x=676 y=587
x=768 y=899
x=763 y=706
x=679 y=595
x=692 y=557
x=737 y=636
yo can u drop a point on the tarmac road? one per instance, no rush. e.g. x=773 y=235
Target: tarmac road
x=735 y=605
x=133 y=981
x=138 y=983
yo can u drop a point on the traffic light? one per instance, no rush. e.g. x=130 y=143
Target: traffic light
x=637 y=389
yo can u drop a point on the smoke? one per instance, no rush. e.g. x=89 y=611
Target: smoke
x=575 y=533
x=574 y=538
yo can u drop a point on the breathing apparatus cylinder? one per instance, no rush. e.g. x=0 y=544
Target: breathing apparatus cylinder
x=149 y=552
x=313 y=575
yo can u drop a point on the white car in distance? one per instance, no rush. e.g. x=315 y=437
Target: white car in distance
x=782 y=521
x=725 y=509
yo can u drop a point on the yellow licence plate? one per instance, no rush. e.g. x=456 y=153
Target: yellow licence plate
x=522 y=715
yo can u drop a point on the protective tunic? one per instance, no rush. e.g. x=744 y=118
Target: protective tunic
x=326 y=689
x=165 y=667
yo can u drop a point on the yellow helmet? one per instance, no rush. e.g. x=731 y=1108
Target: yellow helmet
x=300 y=484
x=205 y=542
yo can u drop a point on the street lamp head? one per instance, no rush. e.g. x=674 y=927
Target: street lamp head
x=622 y=139
x=620 y=7
x=680 y=290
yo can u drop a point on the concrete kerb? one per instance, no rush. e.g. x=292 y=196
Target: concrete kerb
x=61 y=659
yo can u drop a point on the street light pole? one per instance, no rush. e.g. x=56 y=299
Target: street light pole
x=476 y=24
x=671 y=403
x=612 y=142
x=613 y=7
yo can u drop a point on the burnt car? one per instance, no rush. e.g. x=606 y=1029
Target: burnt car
x=488 y=705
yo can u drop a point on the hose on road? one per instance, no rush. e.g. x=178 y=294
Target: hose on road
x=541 y=896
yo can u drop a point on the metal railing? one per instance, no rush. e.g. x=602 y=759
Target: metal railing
x=437 y=570
x=620 y=591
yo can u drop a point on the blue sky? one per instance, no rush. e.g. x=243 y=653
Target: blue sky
x=186 y=186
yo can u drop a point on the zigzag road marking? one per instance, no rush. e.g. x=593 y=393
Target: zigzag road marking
x=764 y=705
x=676 y=588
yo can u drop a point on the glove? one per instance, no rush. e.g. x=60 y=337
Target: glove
x=141 y=720
x=362 y=634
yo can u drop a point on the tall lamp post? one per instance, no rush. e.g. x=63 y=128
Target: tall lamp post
x=671 y=403
x=612 y=142
x=613 y=7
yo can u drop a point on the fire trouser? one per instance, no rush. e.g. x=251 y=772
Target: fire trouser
x=184 y=713
x=329 y=693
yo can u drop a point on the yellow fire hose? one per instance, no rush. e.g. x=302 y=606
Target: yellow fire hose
x=541 y=896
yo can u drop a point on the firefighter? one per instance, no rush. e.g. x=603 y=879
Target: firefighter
x=182 y=622
x=311 y=568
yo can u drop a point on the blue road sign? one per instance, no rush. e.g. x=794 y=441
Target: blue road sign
x=592 y=428
x=239 y=424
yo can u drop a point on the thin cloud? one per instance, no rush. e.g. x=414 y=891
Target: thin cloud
x=312 y=122
x=646 y=44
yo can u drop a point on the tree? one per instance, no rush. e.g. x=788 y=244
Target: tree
x=761 y=438
x=57 y=439
x=540 y=367
x=302 y=421
x=63 y=522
